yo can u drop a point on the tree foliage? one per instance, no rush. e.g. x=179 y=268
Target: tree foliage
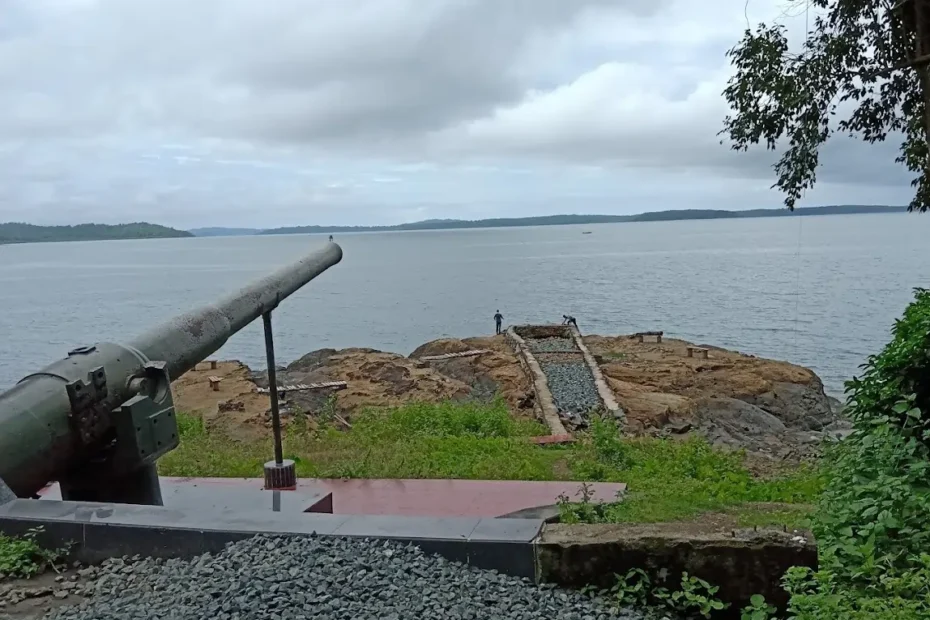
x=872 y=526
x=28 y=233
x=872 y=529
x=870 y=57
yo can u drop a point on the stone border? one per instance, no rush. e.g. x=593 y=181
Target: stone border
x=603 y=389
x=550 y=413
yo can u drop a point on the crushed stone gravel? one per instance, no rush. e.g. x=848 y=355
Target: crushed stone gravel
x=551 y=345
x=572 y=387
x=292 y=578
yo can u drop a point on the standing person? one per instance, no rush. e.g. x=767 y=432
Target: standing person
x=498 y=319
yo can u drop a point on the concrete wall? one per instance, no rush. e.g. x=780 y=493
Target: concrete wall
x=741 y=563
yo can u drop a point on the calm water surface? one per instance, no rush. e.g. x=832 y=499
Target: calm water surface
x=819 y=291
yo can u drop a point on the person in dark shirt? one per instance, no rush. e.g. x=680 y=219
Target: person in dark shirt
x=567 y=319
x=498 y=319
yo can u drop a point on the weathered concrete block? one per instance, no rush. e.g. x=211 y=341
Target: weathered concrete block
x=741 y=563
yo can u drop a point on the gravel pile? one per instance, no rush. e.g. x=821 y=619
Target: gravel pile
x=321 y=577
x=551 y=345
x=572 y=386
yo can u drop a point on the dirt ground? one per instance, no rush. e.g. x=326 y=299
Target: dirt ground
x=33 y=598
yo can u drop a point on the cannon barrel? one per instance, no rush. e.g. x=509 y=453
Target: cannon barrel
x=190 y=338
x=105 y=413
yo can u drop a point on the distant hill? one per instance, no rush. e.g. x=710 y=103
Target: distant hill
x=561 y=220
x=219 y=231
x=27 y=233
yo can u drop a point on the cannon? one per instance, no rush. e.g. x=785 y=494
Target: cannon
x=98 y=420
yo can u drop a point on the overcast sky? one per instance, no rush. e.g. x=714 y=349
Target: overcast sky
x=286 y=112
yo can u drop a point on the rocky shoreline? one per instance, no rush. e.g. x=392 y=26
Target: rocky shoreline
x=769 y=408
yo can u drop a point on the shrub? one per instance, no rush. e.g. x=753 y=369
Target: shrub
x=873 y=521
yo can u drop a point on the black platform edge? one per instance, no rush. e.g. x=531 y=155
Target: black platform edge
x=98 y=531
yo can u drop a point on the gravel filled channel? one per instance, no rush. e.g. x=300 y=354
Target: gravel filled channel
x=572 y=386
x=284 y=578
x=570 y=380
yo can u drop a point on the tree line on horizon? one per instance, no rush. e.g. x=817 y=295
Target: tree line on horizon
x=15 y=232
x=556 y=220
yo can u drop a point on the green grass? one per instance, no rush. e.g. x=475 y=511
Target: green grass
x=23 y=556
x=667 y=479
x=795 y=517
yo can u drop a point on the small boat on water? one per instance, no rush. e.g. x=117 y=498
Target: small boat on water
x=587 y=232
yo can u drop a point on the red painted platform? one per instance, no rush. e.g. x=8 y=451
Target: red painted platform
x=428 y=498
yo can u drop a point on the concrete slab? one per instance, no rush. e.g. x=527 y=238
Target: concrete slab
x=214 y=496
x=425 y=498
x=451 y=498
x=434 y=498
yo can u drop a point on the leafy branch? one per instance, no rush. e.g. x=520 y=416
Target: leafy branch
x=867 y=61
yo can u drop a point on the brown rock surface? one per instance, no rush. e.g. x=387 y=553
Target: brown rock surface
x=735 y=400
x=497 y=371
x=374 y=379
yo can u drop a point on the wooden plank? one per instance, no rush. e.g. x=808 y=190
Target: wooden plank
x=447 y=356
x=303 y=387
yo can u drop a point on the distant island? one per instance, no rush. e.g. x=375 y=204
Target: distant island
x=557 y=220
x=28 y=233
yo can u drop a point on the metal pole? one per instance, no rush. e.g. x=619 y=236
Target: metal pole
x=273 y=389
x=280 y=475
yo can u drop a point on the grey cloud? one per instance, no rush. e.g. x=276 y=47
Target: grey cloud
x=296 y=108
x=293 y=71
